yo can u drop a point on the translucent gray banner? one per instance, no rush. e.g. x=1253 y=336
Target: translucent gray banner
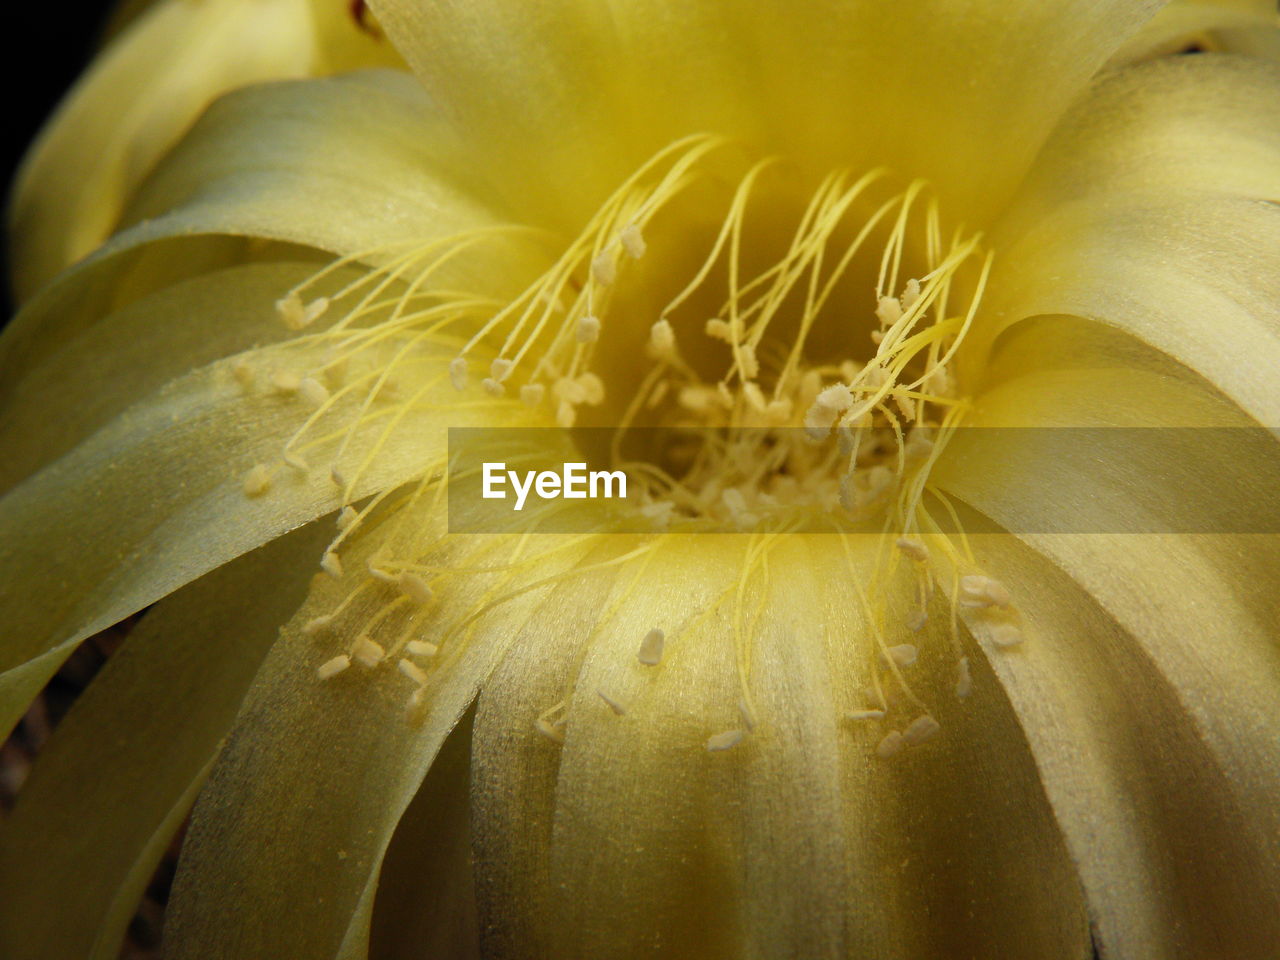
x=1132 y=480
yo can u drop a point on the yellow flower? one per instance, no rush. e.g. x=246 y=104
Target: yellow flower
x=824 y=240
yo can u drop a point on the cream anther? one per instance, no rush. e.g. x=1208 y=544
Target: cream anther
x=492 y=387
x=296 y=461
x=903 y=654
x=313 y=391
x=913 y=549
x=285 y=383
x=604 y=269
x=257 y=481
x=920 y=729
x=888 y=311
x=650 y=653
x=662 y=339
x=979 y=591
x=458 y=373
x=499 y=369
x=414 y=587
x=725 y=741
x=332 y=565
x=717 y=329
x=890 y=745
x=592 y=388
x=421 y=648
x=331 y=668
x=633 y=241
x=347 y=518
x=1005 y=635
x=910 y=294
x=588 y=330
x=531 y=394
x=865 y=714
x=316 y=624
x=412 y=671
x=368 y=652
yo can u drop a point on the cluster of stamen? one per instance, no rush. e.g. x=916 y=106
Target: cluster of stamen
x=777 y=430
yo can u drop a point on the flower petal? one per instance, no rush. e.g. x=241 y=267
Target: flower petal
x=793 y=840
x=563 y=99
x=70 y=878
x=133 y=352
x=158 y=498
x=142 y=94
x=1151 y=683
x=1231 y=26
x=304 y=801
x=1155 y=211
x=346 y=165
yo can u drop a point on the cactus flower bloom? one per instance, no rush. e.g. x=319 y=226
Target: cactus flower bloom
x=812 y=246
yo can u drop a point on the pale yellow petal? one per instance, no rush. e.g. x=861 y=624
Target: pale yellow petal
x=303 y=803
x=1150 y=680
x=563 y=99
x=136 y=747
x=675 y=815
x=139 y=97
x=345 y=165
x=1230 y=26
x=133 y=352
x=194 y=476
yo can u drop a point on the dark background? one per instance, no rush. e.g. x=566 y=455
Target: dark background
x=48 y=43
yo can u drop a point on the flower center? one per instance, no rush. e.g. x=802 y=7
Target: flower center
x=797 y=342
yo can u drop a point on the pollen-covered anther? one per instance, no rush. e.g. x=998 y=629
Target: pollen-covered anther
x=913 y=549
x=828 y=405
x=979 y=591
x=296 y=461
x=331 y=564
x=662 y=339
x=592 y=389
x=492 y=387
x=331 y=668
x=257 y=481
x=1005 y=634
x=347 y=518
x=888 y=311
x=633 y=241
x=553 y=731
x=588 y=329
x=859 y=715
x=920 y=729
x=604 y=268
x=717 y=329
x=313 y=391
x=890 y=745
x=414 y=587
x=285 y=383
x=421 y=648
x=650 y=652
x=368 y=652
x=902 y=654
x=412 y=671
x=725 y=741
x=458 y=373
x=316 y=624
x=500 y=368
x=612 y=704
